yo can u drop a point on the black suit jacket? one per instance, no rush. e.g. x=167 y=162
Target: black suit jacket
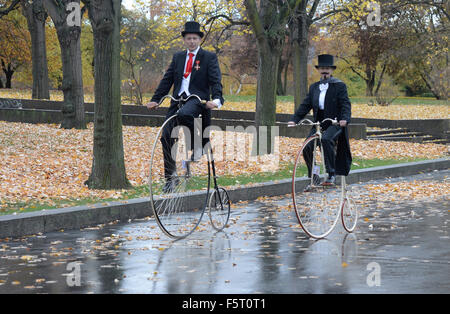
x=336 y=106
x=204 y=82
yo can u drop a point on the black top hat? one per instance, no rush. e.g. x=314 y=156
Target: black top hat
x=325 y=61
x=192 y=28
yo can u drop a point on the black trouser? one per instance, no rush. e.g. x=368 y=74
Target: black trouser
x=329 y=137
x=185 y=117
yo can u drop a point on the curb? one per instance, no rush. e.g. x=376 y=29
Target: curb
x=91 y=215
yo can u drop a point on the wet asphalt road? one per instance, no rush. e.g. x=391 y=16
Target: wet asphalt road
x=398 y=247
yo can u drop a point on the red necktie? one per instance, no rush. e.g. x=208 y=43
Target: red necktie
x=189 y=65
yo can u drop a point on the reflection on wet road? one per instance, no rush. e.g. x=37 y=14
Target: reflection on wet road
x=399 y=246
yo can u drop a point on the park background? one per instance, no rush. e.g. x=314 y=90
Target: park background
x=395 y=68
x=386 y=61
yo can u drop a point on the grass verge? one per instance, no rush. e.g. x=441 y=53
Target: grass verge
x=285 y=172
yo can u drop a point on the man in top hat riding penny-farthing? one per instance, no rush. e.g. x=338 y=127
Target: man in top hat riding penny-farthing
x=192 y=71
x=328 y=99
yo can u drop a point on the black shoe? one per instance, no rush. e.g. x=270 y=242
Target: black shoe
x=316 y=180
x=331 y=180
x=315 y=183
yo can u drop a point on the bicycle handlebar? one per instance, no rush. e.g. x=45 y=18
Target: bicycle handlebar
x=309 y=122
x=182 y=99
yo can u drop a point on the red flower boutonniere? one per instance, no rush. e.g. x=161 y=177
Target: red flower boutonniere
x=197 y=65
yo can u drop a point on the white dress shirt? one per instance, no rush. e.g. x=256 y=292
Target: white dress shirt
x=323 y=91
x=185 y=80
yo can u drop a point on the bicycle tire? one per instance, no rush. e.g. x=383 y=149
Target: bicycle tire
x=319 y=209
x=177 y=207
x=219 y=208
x=349 y=214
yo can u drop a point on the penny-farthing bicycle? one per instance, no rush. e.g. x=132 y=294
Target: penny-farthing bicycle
x=179 y=200
x=319 y=207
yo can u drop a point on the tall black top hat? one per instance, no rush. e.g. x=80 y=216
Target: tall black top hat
x=325 y=61
x=192 y=28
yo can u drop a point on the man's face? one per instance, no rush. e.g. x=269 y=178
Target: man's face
x=192 y=41
x=325 y=72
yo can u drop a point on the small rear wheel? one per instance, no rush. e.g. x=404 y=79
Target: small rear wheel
x=349 y=213
x=219 y=208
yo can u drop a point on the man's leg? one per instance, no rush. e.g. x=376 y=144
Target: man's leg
x=308 y=156
x=329 y=137
x=186 y=115
x=206 y=122
x=308 y=153
x=167 y=142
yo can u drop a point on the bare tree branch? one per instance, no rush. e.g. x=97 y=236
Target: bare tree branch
x=332 y=12
x=353 y=69
x=313 y=9
x=13 y=6
x=232 y=22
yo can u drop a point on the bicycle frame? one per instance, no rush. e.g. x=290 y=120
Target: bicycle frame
x=216 y=187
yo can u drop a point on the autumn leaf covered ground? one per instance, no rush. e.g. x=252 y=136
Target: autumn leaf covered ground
x=44 y=166
x=403 y=108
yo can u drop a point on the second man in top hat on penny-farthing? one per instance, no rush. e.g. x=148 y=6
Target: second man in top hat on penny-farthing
x=328 y=98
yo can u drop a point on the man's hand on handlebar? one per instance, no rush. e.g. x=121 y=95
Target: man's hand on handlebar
x=211 y=105
x=342 y=123
x=152 y=105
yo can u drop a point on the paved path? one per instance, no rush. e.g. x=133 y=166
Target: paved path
x=399 y=247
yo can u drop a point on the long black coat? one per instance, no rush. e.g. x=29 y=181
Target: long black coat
x=337 y=106
x=204 y=82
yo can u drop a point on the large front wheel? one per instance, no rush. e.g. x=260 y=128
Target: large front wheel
x=179 y=196
x=317 y=207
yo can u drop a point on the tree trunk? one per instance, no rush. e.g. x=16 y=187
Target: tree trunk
x=9 y=75
x=36 y=16
x=300 y=46
x=72 y=83
x=108 y=165
x=280 y=87
x=269 y=26
x=370 y=82
x=380 y=79
x=266 y=94
x=286 y=69
x=9 y=71
x=430 y=87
